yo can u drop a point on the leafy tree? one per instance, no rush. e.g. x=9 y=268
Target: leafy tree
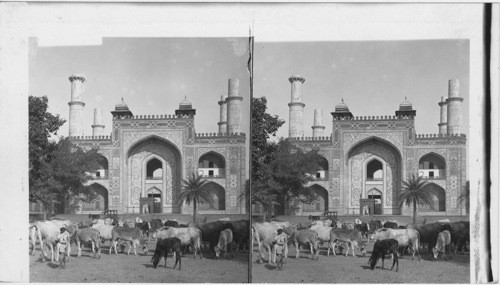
x=279 y=169
x=465 y=196
x=193 y=191
x=58 y=170
x=414 y=193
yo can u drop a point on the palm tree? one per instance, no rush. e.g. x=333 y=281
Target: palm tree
x=413 y=192
x=465 y=196
x=193 y=191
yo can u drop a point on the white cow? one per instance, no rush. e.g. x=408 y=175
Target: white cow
x=189 y=236
x=264 y=233
x=47 y=231
x=86 y=235
x=104 y=232
x=443 y=240
x=405 y=237
x=323 y=231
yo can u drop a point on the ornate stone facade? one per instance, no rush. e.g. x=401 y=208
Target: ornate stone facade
x=392 y=141
x=169 y=145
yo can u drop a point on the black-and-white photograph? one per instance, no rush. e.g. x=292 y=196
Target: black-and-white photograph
x=174 y=142
x=360 y=154
x=138 y=153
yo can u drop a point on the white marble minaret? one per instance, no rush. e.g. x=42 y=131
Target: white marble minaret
x=295 y=127
x=76 y=105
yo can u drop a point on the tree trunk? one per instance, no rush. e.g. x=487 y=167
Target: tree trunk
x=414 y=212
x=195 y=210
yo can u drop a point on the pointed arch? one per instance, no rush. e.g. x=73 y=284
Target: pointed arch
x=101 y=202
x=432 y=166
x=438 y=198
x=218 y=194
x=321 y=203
x=212 y=164
x=376 y=140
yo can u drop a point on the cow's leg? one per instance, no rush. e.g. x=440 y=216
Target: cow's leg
x=79 y=245
x=383 y=258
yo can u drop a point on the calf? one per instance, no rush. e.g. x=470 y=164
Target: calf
x=133 y=235
x=381 y=248
x=164 y=247
x=190 y=236
x=352 y=238
x=443 y=240
x=87 y=235
x=404 y=237
x=225 y=241
x=363 y=228
x=305 y=237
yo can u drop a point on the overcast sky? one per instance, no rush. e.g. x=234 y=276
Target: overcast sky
x=373 y=78
x=152 y=75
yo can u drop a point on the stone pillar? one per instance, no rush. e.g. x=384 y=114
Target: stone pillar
x=234 y=106
x=442 y=123
x=98 y=126
x=223 y=115
x=454 y=103
x=295 y=128
x=318 y=127
x=76 y=105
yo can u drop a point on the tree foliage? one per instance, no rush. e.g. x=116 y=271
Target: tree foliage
x=280 y=170
x=414 y=193
x=58 y=170
x=465 y=196
x=193 y=191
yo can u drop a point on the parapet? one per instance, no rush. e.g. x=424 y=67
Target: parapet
x=150 y=117
x=430 y=136
x=91 y=138
x=219 y=135
x=322 y=138
x=371 y=118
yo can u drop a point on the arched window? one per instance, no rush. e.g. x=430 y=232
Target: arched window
x=374 y=170
x=212 y=165
x=101 y=200
x=322 y=173
x=102 y=172
x=321 y=203
x=154 y=169
x=432 y=166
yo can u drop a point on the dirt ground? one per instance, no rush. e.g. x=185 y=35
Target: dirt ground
x=342 y=269
x=137 y=269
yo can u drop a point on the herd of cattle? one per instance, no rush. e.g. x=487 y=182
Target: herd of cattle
x=389 y=237
x=170 y=236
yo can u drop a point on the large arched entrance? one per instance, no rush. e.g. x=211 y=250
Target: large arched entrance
x=373 y=164
x=321 y=202
x=100 y=203
x=154 y=163
x=432 y=166
x=438 y=196
x=218 y=195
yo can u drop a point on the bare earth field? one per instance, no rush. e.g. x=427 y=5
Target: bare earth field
x=137 y=269
x=342 y=269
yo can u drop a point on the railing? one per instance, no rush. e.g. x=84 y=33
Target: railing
x=374 y=179
x=153 y=178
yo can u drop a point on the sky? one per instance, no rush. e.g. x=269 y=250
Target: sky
x=373 y=78
x=153 y=75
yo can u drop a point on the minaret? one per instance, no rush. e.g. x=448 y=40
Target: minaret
x=98 y=126
x=76 y=105
x=318 y=127
x=223 y=115
x=454 y=103
x=295 y=128
x=233 y=102
x=442 y=123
